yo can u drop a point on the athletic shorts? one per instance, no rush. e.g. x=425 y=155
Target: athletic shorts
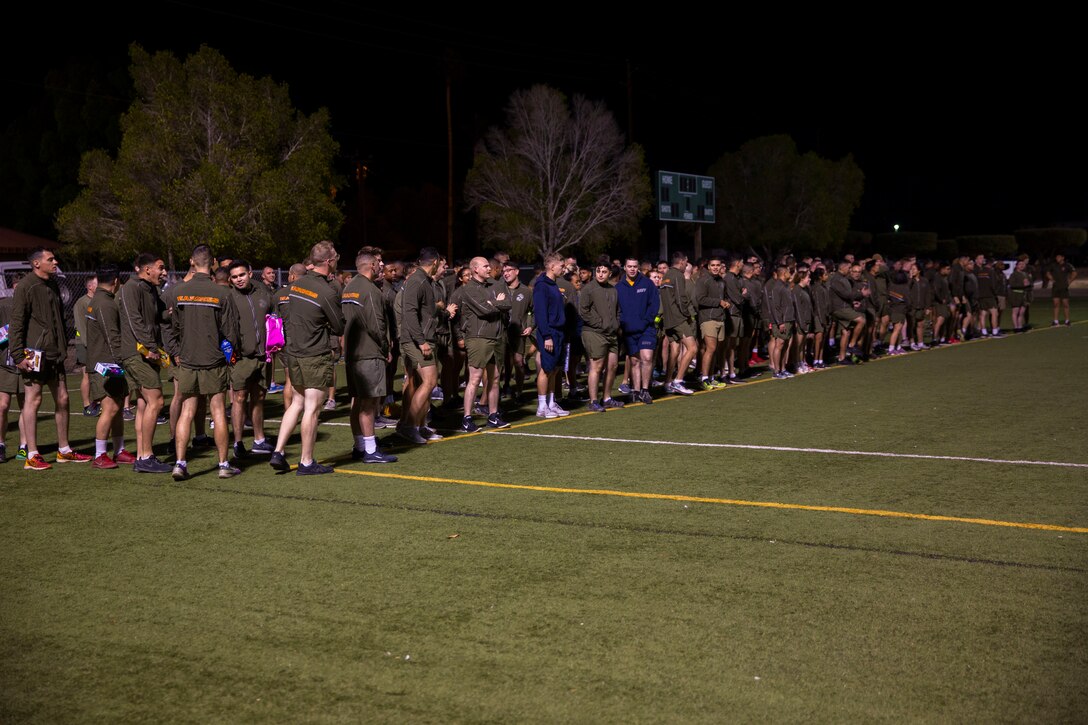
x=51 y=372
x=712 y=328
x=942 y=311
x=987 y=303
x=550 y=361
x=366 y=378
x=414 y=356
x=635 y=341
x=898 y=316
x=847 y=316
x=779 y=335
x=516 y=343
x=141 y=373
x=115 y=387
x=10 y=382
x=1060 y=294
x=81 y=354
x=678 y=333
x=735 y=326
x=202 y=382
x=311 y=372
x=597 y=345
x=481 y=352
x=248 y=371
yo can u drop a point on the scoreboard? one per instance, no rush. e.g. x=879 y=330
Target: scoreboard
x=685 y=197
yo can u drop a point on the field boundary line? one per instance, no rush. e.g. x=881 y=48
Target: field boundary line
x=724 y=501
x=795 y=449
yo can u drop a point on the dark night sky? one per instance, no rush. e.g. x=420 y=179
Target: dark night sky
x=959 y=128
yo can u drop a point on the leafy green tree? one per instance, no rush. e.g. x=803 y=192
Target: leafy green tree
x=772 y=198
x=207 y=155
x=559 y=177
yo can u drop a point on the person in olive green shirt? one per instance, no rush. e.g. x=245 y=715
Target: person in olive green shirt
x=314 y=314
x=598 y=306
x=481 y=325
x=366 y=353
x=252 y=304
x=678 y=312
x=202 y=319
x=708 y=296
x=102 y=333
x=1060 y=275
x=79 y=317
x=37 y=323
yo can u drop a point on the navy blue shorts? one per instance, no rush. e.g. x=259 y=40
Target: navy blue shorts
x=549 y=361
x=646 y=340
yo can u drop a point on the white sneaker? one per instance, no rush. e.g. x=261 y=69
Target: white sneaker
x=559 y=412
x=546 y=412
x=679 y=388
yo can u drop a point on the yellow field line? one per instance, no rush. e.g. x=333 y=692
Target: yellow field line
x=725 y=501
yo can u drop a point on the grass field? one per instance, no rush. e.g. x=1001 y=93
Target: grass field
x=685 y=561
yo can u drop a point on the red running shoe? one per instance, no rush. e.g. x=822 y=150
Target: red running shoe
x=103 y=462
x=124 y=456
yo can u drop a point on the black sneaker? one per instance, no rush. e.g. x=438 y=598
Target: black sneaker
x=151 y=465
x=494 y=421
x=263 y=448
x=89 y=410
x=410 y=434
x=612 y=403
x=313 y=469
x=594 y=407
x=645 y=397
x=430 y=433
x=204 y=441
x=278 y=462
x=378 y=457
x=3 y=453
x=240 y=451
x=468 y=426
x=164 y=417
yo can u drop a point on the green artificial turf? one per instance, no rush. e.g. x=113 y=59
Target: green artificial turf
x=349 y=598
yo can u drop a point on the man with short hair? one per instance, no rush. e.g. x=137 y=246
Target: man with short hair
x=708 y=295
x=281 y=302
x=519 y=330
x=366 y=353
x=314 y=314
x=678 y=313
x=79 y=317
x=483 y=305
x=1060 y=274
x=640 y=304
x=202 y=320
x=11 y=383
x=142 y=312
x=598 y=306
x=108 y=387
x=846 y=301
x=550 y=315
x=38 y=345
x=417 y=320
x=252 y=303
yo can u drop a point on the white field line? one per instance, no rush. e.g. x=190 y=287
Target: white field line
x=792 y=449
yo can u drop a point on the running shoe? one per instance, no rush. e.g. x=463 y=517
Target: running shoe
x=180 y=472
x=240 y=451
x=544 y=411
x=312 y=469
x=263 y=448
x=123 y=456
x=275 y=388
x=554 y=407
x=104 y=462
x=429 y=433
x=378 y=456
x=228 y=471
x=150 y=465
x=279 y=462
x=612 y=403
x=73 y=457
x=36 y=463
x=645 y=397
x=595 y=407
x=625 y=389
x=495 y=421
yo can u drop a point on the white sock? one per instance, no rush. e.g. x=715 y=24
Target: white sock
x=542 y=401
x=258 y=440
x=31 y=454
x=66 y=449
x=551 y=399
x=99 y=447
x=224 y=464
x=370 y=444
x=182 y=463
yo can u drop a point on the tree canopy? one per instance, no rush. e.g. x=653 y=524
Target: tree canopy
x=207 y=155
x=772 y=198
x=558 y=177
x=1048 y=241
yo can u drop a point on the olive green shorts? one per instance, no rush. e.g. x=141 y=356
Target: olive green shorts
x=898 y=316
x=780 y=335
x=678 y=333
x=141 y=373
x=366 y=378
x=847 y=316
x=735 y=326
x=598 y=345
x=942 y=311
x=51 y=372
x=114 y=387
x=81 y=354
x=1060 y=294
x=247 y=371
x=311 y=372
x=713 y=328
x=481 y=352
x=10 y=382
x=202 y=382
x=413 y=356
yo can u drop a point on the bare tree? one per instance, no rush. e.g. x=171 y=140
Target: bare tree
x=558 y=177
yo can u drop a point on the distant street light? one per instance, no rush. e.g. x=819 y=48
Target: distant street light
x=895 y=227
